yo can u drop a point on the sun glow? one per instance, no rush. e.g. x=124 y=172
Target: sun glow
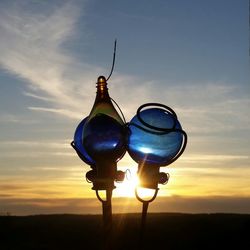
x=128 y=186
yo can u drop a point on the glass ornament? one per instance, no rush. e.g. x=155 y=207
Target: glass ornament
x=104 y=133
x=155 y=137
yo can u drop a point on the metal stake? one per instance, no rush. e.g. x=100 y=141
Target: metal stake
x=106 y=209
x=144 y=217
x=145 y=204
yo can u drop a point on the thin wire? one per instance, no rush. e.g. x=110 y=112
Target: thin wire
x=123 y=117
x=166 y=108
x=113 y=63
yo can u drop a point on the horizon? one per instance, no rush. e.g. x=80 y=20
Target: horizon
x=191 y=56
x=128 y=205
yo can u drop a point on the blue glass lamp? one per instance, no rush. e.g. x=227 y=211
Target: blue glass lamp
x=100 y=140
x=104 y=137
x=156 y=139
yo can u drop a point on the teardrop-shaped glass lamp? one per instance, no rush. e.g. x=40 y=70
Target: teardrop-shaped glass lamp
x=104 y=134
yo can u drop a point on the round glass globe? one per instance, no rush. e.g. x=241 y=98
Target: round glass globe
x=154 y=146
x=104 y=138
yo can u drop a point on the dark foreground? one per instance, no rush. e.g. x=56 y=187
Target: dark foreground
x=163 y=231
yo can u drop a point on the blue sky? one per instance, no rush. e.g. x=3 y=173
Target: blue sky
x=190 y=55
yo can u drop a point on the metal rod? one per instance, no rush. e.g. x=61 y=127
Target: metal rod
x=144 y=217
x=145 y=204
x=107 y=210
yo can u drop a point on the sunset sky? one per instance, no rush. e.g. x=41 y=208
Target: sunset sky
x=190 y=55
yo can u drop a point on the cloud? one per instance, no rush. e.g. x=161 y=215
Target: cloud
x=31 y=47
x=212 y=158
x=16 y=119
x=63 y=144
x=64 y=112
x=46 y=99
x=22 y=149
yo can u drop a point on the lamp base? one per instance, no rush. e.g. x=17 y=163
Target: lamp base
x=103 y=176
x=103 y=184
x=148 y=175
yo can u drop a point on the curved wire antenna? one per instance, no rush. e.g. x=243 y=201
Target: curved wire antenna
x=113 y=63
x=123 y=117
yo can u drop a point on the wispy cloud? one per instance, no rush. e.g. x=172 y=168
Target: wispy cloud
x=39 y=144
x=212 y=158
x=16 y=119
x=31 y=48
x=40 y=149
x=46 y=99
x=65 y=112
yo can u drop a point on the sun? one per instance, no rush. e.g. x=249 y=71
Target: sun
x=127 y=187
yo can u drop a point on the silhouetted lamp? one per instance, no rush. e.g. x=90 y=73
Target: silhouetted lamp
x=100 y=141
x=156 y=139
x=104 y=138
